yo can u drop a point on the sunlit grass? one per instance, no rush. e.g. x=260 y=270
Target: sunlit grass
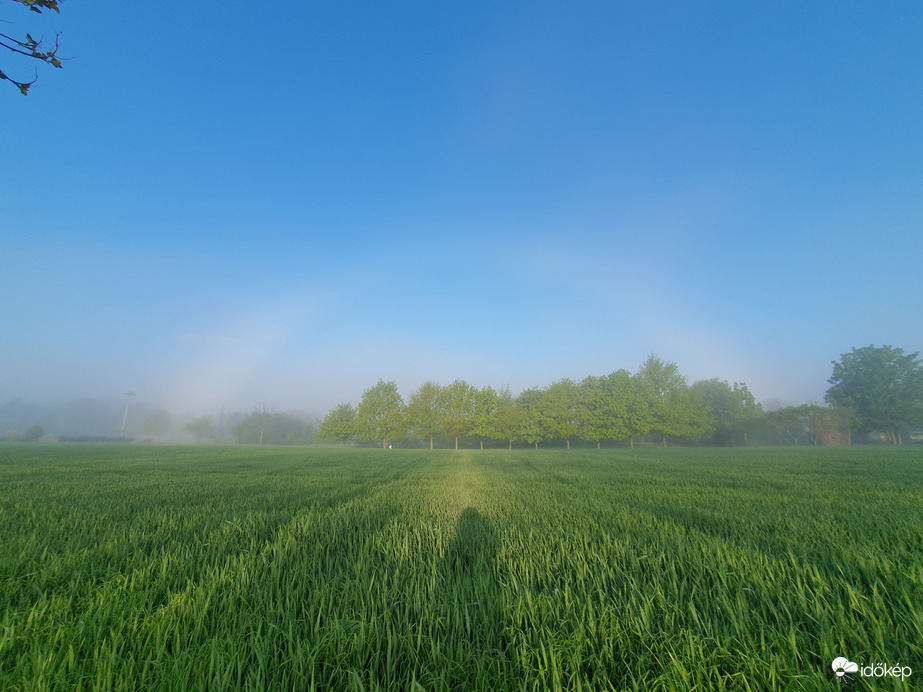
x=129 y=567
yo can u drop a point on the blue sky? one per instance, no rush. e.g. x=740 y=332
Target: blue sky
x=224 y=203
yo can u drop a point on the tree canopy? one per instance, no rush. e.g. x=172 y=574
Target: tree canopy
x=733 y=411
x=674 y=409
x=882 y=386
x=560 y=410
x=266 y=426
x=484 y=418
x=424 y=411
x=873 y=389
x=457 y=402
x=339 y=425
x=381 y=413
x=202 y=428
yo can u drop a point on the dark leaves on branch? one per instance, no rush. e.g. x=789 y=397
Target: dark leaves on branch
x=30 y=47
x=37 y=5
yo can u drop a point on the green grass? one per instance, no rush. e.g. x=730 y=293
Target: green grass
x=132 y=567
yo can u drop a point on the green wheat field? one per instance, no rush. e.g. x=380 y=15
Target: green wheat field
x=144 y=567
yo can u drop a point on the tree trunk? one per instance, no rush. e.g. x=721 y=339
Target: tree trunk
x=664 y=441
x=631 y=442
x=536 y=445
x=384 y=443
x=597 y=444
x=456 y=443
x=567 y=440
x=431 y=441
x=511 y=444
x=482 y=445
x=261 y=437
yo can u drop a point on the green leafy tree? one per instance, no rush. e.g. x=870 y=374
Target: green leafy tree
x=882 y=385
x=339 y=425
x=457 y=404
x=424 y=411
x=531 y=416
x=733 y=411
x=482 y=417
x=607 y=406
x=201 y=428
x=485 y=420
x=625 y=413
x=381 y=414
x=641 y=415
x=675 y=410
x=830 y=426
x=789 y=424
x=266 y=426
x=560 y=404
x=29 y=47
x=33 y=433
x=591 y=415
x=262 y=416
x=507 y=416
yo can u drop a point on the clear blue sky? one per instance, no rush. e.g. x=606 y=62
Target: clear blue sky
x=222 y=203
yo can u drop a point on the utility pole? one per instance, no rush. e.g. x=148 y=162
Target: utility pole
x=125 y=417
x=218 y=432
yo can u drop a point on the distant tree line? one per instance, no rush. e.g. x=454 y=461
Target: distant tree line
x=94 y=438
x=264 y=426
x=873 y=389
x=31 y=434
x=89 y=418
x=88 y=421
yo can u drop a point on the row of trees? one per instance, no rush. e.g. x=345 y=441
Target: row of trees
x=873 y=389
x=655 y=401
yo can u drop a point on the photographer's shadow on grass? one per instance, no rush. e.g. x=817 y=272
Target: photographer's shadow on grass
x=471 y=598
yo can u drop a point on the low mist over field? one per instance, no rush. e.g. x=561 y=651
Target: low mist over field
x=509 y=194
